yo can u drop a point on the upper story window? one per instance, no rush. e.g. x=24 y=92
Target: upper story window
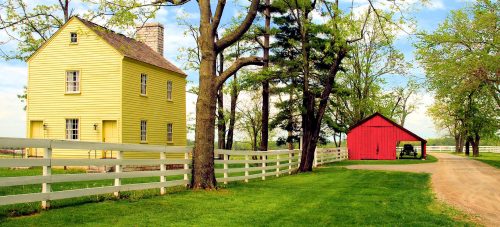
x=73 y=37
x=144 y=125
x=72 y=129
x=170 y=132
x=73 y=81
x=169 y=90
x=144 y=82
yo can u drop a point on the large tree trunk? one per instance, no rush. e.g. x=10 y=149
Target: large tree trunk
x=475 y=145
x=232 y=114
x=459 y=143
x=203 y=174
x=265 y=84
x=308 y=149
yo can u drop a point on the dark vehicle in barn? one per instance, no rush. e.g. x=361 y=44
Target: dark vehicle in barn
x=408 y=150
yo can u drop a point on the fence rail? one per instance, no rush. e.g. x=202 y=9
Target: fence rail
x=493 y=149
x=235 y=166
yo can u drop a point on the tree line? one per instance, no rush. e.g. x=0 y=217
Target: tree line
x=461 y=61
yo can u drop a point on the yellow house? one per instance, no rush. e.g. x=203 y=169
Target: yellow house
x=88 y=83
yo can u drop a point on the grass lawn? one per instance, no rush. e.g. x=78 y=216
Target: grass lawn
x=489 y=158
x=429 y=159
x=328 y=196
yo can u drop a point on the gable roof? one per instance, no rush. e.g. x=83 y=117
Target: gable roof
x=388 y=120
x=132 y=48
x=126 y=46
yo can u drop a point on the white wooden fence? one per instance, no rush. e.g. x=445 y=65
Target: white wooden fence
x=254 y=164
x=493 y=149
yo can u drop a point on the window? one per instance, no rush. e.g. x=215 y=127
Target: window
x=72 y=129
x=169 y=90
x=144 y=81
x=170 y=132
x=72 y=82
x=143 y=130
x=73 y=37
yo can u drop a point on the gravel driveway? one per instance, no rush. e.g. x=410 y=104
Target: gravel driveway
x=467 y=184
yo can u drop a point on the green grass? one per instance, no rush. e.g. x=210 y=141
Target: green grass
x=429 y=159
x=328 y=196
x=492 y=159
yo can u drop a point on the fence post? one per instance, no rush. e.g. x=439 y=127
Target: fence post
x=277 y=165
x=118 y=169
x=246 y=168
x=163 y=168
x=321 y=157
x=47 y=171
x=186 y=167
x=290 y=162
x=226 y=175
x=299 y=156
x=263 y=167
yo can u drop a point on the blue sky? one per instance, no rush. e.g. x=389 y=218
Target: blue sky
x=13 y=74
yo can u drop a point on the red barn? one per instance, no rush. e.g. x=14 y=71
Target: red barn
x=376 y=137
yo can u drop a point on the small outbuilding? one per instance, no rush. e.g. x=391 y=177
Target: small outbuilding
x=376 y=138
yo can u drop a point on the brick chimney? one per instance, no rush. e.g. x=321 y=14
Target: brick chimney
x=152 y=35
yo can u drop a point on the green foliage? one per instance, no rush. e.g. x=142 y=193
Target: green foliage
x=461 y=61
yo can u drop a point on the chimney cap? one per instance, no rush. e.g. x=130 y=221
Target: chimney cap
x=152 y=24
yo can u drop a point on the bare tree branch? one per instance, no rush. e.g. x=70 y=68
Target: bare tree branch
x=232 y=37
x=218 y=14
x=237 y=65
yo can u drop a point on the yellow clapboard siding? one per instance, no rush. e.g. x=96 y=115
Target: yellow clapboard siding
x=154 y=107
x=109 y=90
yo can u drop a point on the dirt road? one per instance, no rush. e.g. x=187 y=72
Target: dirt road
x=466 y=184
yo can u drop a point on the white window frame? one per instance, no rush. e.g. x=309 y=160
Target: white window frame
x=169 y=90
x=72 y=129
x=144 y=84
x=72 y=82
x=144 y=131
x=170 y=132
x=75 y=37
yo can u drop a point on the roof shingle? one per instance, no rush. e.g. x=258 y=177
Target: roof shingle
x=132 y=48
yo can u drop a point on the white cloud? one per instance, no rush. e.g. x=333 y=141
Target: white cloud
x=419 y=122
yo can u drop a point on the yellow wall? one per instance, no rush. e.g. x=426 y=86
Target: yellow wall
x=154 y=107
x=100 y=78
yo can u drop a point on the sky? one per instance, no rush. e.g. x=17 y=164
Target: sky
x=13 y=74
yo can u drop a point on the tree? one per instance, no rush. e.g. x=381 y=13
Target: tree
x=203 y=174
x=370 y=59
x=403 y=105
x=444 y=118
x=251 y=117
x=462 y=66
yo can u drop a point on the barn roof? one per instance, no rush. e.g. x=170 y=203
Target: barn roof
x=388 y=120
